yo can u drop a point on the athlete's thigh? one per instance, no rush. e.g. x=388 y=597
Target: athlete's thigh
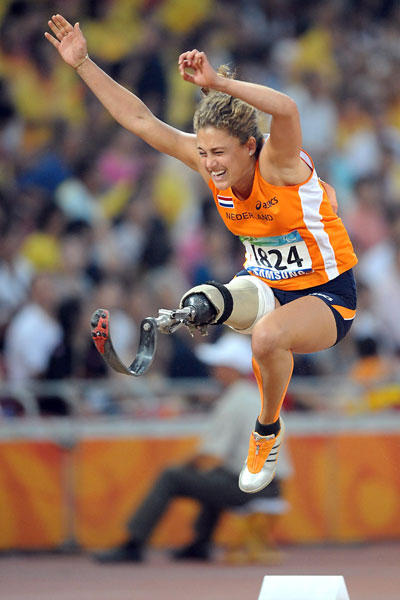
x=305 y=325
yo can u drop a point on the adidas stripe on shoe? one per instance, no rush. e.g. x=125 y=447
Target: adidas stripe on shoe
x=260 y=466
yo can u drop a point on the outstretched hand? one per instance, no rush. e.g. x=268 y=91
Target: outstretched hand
x=68 y=40
x=201 y=72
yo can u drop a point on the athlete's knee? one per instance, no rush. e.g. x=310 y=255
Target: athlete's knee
x=239 y=304
x=267 y=338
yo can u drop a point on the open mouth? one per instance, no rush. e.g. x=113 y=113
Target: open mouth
x=217 y=175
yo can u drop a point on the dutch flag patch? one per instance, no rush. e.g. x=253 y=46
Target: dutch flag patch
x=225 y=201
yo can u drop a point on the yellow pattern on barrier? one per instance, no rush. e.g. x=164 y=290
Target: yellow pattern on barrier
x=344 y=488
x=31 y=495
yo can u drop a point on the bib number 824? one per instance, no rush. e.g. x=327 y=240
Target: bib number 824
x=262 y=257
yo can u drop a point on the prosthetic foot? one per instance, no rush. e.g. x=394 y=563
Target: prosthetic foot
x=100 y=328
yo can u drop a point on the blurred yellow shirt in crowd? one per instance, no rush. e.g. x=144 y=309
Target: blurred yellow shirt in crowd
x=178 y=17
x=42 y=251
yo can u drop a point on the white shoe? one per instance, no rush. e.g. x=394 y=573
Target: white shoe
x=260 y=465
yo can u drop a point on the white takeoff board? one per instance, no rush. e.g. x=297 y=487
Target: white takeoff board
x=303 y=587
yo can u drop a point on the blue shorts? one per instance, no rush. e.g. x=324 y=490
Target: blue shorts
x=339 y=294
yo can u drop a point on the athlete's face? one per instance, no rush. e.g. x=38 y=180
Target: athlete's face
x=228 y=162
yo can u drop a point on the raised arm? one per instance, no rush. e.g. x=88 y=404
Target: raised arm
x=125 y=107
x=284 y=143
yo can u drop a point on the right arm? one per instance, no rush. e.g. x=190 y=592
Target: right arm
x=126 y=108
x=279 y=160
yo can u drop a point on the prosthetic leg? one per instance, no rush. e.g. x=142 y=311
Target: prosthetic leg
x=238 y=304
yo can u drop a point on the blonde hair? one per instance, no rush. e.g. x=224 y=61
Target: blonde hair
x=222 y=111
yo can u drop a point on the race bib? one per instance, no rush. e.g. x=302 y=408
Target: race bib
x=279 y=257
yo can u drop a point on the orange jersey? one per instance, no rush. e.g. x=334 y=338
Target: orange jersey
x=292 y=236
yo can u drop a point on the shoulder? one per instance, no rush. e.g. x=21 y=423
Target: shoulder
x=284 y=172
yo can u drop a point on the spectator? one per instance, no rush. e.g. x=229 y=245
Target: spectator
x=379 y=262
x=33 y=333
x=42 y=247
x=65 y=360
x=386 y=305
x=367 y=221
x=15 y=272
x=318 y=113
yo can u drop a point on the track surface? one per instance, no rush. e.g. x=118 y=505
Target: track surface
x=371 y=572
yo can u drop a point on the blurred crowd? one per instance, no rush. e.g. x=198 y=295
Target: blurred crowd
x=92 y=217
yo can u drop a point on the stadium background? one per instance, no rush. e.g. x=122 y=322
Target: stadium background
x=103 y=220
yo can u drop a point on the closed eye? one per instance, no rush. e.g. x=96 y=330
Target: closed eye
x=203 y=154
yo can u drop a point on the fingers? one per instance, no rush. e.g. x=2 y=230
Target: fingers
x=188 y=77
x=52 y=40
x=60 y=27
x=62 y=24
x=57 y=32
x=192 y=59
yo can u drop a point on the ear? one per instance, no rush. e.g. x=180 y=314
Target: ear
x=251 y=145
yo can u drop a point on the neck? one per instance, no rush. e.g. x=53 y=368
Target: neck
x=242 y=189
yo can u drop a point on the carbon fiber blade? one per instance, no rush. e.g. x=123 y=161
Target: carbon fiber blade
x=100 y=329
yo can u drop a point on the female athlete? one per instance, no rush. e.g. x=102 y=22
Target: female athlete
x=297 y=291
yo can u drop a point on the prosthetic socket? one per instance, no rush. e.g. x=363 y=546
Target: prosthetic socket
x=238 y=304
